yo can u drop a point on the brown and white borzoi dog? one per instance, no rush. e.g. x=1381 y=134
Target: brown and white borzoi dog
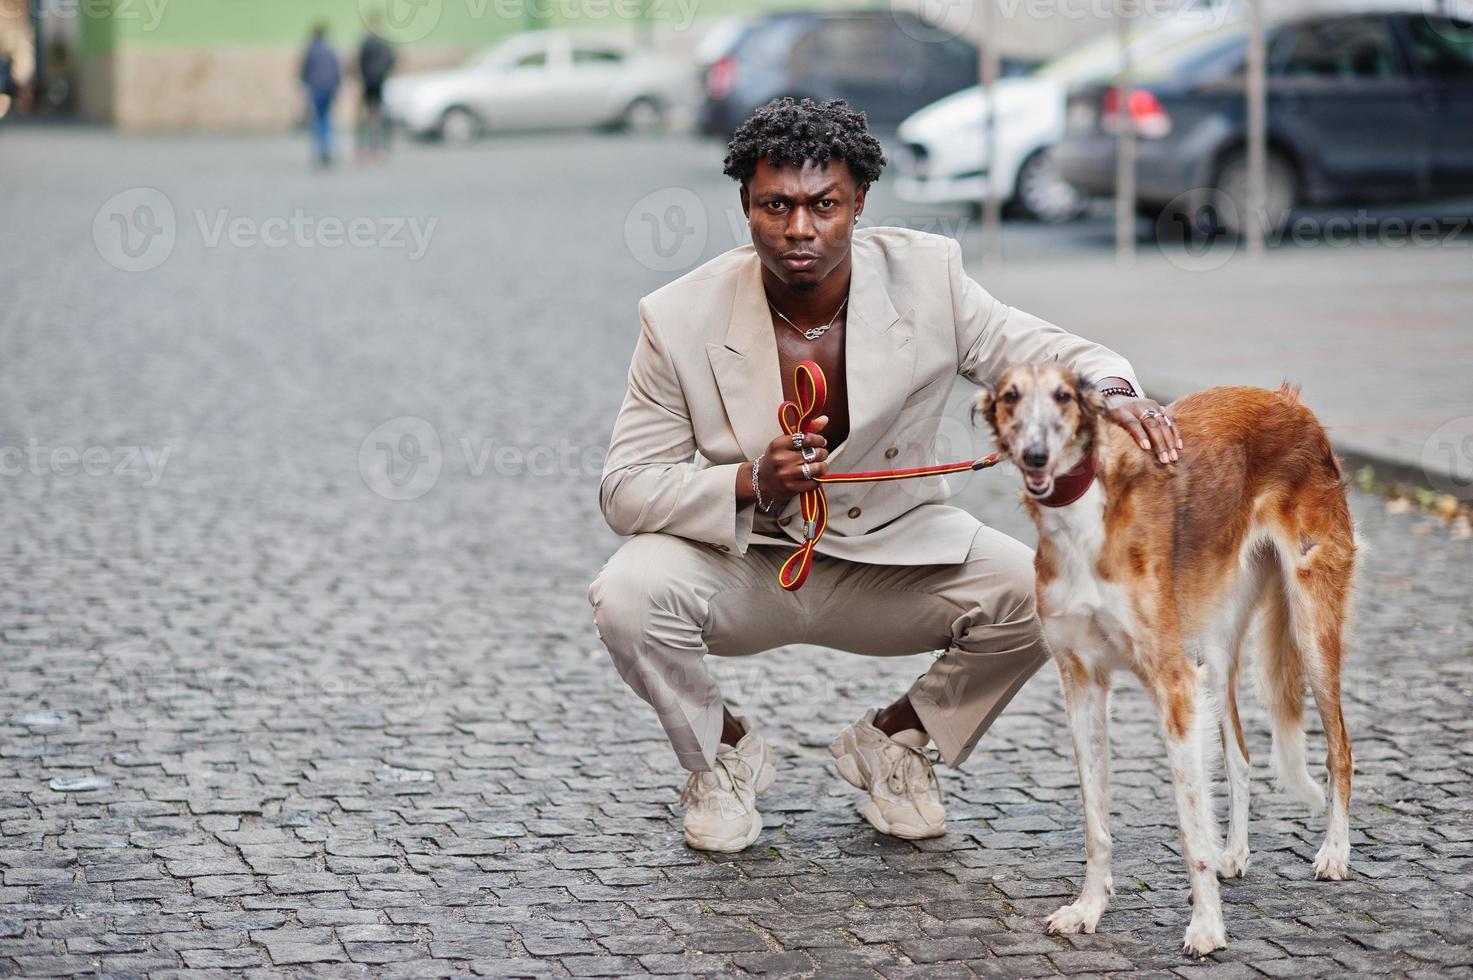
x=1140 y=566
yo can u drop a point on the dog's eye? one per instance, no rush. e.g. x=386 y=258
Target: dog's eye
x=1062 y=396
x=1010 y=396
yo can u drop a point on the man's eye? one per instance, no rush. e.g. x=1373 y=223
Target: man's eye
x=1010 y=396
x=827 y=204
x=1061 y=396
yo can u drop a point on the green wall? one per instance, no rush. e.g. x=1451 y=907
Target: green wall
x=273 y=23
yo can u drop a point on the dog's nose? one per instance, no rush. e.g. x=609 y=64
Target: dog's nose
x=1035 y=458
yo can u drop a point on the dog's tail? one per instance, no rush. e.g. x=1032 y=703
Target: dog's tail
x=1282 y=680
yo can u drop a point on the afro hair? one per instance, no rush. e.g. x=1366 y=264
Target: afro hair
x=787 y=131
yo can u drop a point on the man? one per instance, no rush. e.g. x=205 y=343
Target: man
x=892 y=319
x=321 y=76
x=375 y=62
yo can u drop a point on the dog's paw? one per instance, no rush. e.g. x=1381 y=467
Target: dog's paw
x=1234 y=862
x=1081 y=916
x=1204 y=936
x=1332 y=863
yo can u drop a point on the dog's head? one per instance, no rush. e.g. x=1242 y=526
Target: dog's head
x=1044 y=418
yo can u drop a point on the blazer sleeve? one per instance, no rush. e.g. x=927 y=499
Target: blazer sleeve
x=651 y=481
x=991 y=335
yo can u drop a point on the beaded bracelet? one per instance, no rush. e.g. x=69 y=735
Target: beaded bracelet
x=1117 y=390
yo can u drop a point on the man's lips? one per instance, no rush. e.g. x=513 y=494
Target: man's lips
x=799 y=260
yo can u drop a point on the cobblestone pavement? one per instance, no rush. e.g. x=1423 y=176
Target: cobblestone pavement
x=259 y=718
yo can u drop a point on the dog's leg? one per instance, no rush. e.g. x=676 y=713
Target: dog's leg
x=1324 y=654
x=1179 y=693
x=1087 y=699
x=1222 y=671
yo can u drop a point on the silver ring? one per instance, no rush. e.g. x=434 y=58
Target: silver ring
x=807 y=473
x=797 y=440
x=1167 y=419
x=810 y=453
x=1149 y=413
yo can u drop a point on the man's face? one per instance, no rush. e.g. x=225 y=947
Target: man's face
x=802 y=218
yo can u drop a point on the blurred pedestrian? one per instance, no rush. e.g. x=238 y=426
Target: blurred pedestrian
x=375 y=62
x=321 y=75
x=7 y=84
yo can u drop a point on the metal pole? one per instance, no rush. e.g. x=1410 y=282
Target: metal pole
x=1124 y=143
x=1254 y=221
x=991 y=201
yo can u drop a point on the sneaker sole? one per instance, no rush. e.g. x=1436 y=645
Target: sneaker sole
x=875 y=819
x=701 y=842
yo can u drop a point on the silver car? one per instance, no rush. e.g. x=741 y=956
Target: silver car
x=541 y=80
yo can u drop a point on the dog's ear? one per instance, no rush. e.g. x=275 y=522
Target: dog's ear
x=985 y=405
x=1090 y=398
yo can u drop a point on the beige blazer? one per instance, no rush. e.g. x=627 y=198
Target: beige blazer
x=704 y=389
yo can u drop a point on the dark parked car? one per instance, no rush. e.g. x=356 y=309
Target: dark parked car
x=1361 y=107
x=887 y=63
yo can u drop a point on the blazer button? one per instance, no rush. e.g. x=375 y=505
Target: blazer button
x=891 y=453
x=785 y=521
x=853 y=513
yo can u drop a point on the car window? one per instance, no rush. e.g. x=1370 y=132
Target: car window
x=848 y=47
x=1344 y=50
x=1442 y=47
x=532 y=59
x=596 y=56
x=1191 y=54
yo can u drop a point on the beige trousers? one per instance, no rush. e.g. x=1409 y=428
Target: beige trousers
x=661 y=603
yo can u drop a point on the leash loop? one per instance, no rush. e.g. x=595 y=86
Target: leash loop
x=796 y=415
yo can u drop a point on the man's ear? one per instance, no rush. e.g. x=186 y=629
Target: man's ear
x=746 y=201
x=859 y=197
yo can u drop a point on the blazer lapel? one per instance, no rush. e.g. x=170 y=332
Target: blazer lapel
x=746 y=365
x=879 y=358
x=879 y=355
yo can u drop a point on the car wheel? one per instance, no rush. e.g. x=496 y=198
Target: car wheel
x=643 y=115
x=1230 y=200
x=1042 y=192
x=460 y=125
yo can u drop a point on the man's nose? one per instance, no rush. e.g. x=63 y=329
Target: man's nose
x=1035 y=457
x=800 y=225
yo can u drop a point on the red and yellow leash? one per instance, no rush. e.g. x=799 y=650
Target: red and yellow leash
x=797 y=415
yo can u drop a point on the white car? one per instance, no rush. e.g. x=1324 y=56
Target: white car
x=541 y=80
x=943 y=153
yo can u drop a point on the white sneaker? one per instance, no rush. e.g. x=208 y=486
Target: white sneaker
x=904 y=793
x=721 y=813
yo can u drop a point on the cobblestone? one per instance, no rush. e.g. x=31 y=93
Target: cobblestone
x=299 y=727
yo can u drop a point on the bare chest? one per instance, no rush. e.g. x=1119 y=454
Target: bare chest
x=828 y=352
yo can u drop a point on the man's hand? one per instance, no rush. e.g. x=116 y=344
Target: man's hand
x=782 y=476
x=1148 y=424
